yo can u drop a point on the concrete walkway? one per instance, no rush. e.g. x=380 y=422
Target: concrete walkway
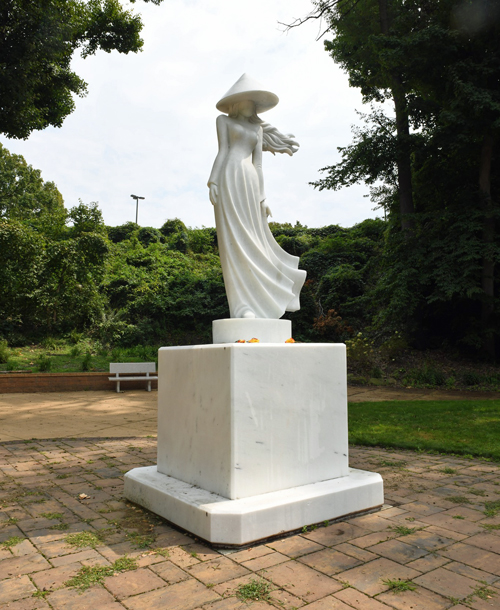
x=133 y=413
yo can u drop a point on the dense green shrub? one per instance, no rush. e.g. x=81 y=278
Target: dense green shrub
x=122 y=232
x=4 y=351
x=172 y=226
x=149 y=235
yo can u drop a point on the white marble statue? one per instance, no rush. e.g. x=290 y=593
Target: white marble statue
x=261 y=279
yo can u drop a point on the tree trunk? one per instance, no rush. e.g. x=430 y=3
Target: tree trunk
x=406 y=206
x=488 y=264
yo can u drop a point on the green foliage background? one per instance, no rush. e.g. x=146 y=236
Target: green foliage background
x=64 y=272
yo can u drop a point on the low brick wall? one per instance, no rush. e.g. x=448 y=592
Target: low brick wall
x=11 y=383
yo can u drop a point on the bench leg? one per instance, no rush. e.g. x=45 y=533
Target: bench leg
x=117 y=386
x=149 y=386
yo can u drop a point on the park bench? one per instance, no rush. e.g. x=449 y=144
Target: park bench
x=132 y=371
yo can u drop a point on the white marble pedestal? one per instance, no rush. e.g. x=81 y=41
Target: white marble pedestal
x=252 y=442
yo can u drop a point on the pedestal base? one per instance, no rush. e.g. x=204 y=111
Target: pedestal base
x=240 y=522
x=230 y=330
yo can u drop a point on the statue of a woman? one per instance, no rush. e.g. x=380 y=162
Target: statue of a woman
x=261 y=279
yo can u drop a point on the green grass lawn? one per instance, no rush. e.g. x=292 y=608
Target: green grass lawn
x=465 y=427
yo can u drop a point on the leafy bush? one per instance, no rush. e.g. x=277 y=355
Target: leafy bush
x=427 y=375
x=394 y=347
x=44 y=364
x=122 y=232
x=75 y=337
x=172 y=226
x=202 y=241
x=360 y=352
x=471 y=378
x=49 y=343
x=4 y=351
x=87 y=362
x=149 y=235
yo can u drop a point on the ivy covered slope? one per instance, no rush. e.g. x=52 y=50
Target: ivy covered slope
x=64 y=271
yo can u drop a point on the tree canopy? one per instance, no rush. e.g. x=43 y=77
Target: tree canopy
x=37 y=41
x=23 y=192
x=432 y=160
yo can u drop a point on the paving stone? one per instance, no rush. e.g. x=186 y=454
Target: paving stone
x=172 y=538
x=446 y=521
x=371 y=539
x=230 y=587
x=302 y=581
x=461 y=568
x=52 y=579
x=329 y=603
x=295 y=546
x=474 y=556
x=75 y=558
x=468 y=513
x=428 y=563
x=23 y=548
x=428 y=540
x=251 y=553
x=354 y=551
x=95 y=598
x=15 y=588
x=445 y=533
x=57 y=548
x=265 y=561
x=359 y=600
x=170 y=572
x=492 y=601
x=22 y=565
x=420 y=599
x=387 y=513
x=185 y=595
x=486 y=541
x=217 y=570
x=133 y=582
x=233 y=603
x=368 y=577
x=337 y=533
x=372 y=523
x=9 y=532
x=285 y=600
x=29 y=603
x=201 y=551
x=446 y=583
x=398 y=551
x=330 y=561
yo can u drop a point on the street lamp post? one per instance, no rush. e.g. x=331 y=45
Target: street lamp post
x=136 y=197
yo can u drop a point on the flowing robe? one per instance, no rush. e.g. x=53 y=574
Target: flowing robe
x=259 y=276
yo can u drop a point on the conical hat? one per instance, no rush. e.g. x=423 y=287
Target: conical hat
x=247 y=88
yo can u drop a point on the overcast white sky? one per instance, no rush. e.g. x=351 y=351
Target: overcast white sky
x=147 y=125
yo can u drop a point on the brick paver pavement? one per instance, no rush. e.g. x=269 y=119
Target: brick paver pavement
x=435 y=545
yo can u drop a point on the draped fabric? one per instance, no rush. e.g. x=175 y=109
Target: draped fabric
x=259 y=276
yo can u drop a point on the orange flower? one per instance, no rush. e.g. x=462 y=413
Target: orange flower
x=254 y=340
x=290 y=340
x=240 y=341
